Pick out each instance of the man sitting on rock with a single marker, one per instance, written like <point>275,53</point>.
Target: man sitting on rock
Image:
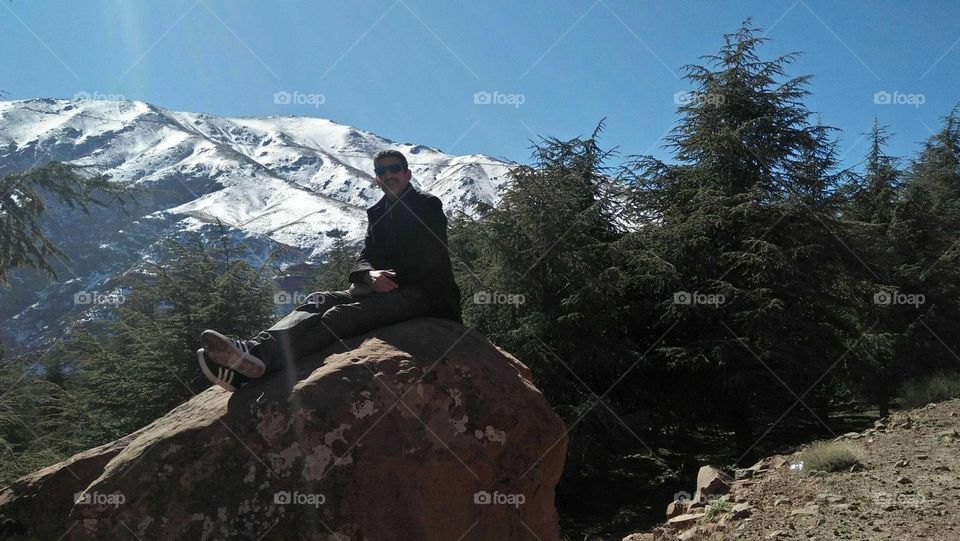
<point>403,272</point>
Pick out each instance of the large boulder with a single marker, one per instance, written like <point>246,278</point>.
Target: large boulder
<point>420,430</point>
<point>49,493</point>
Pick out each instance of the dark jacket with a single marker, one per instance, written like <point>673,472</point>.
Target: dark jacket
<point>409,236</point>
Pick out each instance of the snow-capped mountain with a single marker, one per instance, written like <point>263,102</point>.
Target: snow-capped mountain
<point>281,180</point>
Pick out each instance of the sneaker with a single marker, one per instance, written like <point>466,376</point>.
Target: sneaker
<point>233,354</point>
<point>229,379</point>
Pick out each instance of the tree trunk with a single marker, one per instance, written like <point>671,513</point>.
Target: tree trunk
<point>743,436</point>
<point>883,396</point>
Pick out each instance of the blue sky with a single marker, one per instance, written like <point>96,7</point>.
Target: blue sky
<point>410,70</point>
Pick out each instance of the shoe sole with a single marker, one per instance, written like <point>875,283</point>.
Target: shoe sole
<point>221,350</point>
<point>202,361</point>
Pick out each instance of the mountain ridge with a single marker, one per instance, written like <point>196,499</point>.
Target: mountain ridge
<point>282,181</point>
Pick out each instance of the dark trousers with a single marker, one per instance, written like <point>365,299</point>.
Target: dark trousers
<point>329,316</point>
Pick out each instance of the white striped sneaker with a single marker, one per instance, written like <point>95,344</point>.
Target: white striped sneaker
<point>233,354</point>
<point>231,380</point>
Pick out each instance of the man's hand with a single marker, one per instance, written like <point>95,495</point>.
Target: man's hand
<point>360,290</point>
<point>382,280</point>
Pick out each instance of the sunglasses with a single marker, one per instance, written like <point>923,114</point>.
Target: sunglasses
<point>393,168</point>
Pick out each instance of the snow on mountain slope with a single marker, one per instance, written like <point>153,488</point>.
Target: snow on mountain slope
<point>291,178</point>
<point>281,180</point>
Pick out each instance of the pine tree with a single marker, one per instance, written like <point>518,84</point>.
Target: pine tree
<point>737,245</point>
<point>545,245</point>
<point>32,434</point>
<point>137,360</point>
<point>23,199</point>
<point>925,231</point>
<point>875,365</point>
<point>334,272</point>
<point>539,279</point>
<point>876,195</point>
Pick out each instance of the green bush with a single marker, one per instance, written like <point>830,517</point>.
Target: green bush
<point>717,508</point>
<point>935,388</point>
<point>831,456</point>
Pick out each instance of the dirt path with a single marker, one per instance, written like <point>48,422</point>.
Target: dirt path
<point>909,488</point>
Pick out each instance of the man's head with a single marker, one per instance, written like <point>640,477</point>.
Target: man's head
<point>393,175</point>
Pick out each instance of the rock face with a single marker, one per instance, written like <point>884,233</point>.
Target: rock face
<point>27,506</point>
<point>711,482</point>
<point>420,430</point>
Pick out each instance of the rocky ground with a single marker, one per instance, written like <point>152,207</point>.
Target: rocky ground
<point>907,488</point>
